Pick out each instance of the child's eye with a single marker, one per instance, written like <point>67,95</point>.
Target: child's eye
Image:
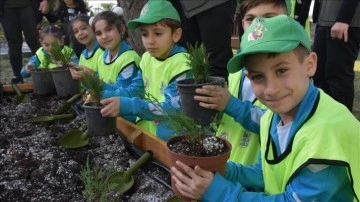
<point>256,78</point>
<point>249,19</point>
<point>143,34</point>
<point>281,71</point>
<point>158,34</point>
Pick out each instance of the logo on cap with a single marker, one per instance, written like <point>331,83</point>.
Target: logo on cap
<point>258,31</point>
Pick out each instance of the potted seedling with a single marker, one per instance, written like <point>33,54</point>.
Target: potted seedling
<point>64,84</point>
<point>198,61</point>
<point>96,124</point>
<point>43,81</point>
<point>192,143</point>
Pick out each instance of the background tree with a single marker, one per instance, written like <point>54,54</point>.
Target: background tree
<point>132,10</point>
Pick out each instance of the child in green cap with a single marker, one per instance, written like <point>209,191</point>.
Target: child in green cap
<point>240,122</point>
<point>309,142</point>
<point>161,65</point>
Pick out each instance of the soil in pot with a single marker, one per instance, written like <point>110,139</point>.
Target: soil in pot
<point>64,84</point>
<point>191,107</point>
<point>43,81</point>
<point>97,124</point>
<point>210,154</point>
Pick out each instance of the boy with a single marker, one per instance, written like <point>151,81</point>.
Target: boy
<point>309,142</point>
<point>244,136</point>
<point>162,65</point>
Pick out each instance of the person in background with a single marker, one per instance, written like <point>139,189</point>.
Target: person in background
<point>162,65</point>
<point>18,18</point>
<point>66,10</point>
<point>305,155</point>
<point>211,23</point>
<point>42,57</point>
<point>337,44</point>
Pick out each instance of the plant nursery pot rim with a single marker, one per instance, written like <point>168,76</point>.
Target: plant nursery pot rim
<point>190,82</point>
<point>224,153</point>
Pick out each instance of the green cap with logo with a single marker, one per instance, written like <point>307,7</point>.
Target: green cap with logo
<point>154,11</point>
<point>278,34</point>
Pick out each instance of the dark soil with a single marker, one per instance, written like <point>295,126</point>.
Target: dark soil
<point>34,168</point>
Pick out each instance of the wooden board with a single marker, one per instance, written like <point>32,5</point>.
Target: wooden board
<point>22,87</point>
<point>143,140</point>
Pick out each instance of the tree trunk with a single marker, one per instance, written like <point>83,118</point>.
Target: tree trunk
<point>132,10</point>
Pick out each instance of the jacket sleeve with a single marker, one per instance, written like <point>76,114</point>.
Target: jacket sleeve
<point>129,84</point>
<point>33,61</point>
<point>245,113</point>
<point>330,183</point>
<point>347,11</point>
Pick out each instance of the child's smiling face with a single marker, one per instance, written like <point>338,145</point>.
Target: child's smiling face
<point>158,39</point>
<point>281,81</point>
<point>108,35</point>
<point>83,32</point>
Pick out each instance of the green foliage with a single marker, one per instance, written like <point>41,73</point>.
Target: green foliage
<point>94,85</point>
<point>58,56</point>
<point>178,121</point>
<point>95,186</point>
<point>198,60</point>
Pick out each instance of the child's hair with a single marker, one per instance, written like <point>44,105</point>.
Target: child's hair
<point>173,24</point>
<point>246,5</point>
<point>52,30</point>
<point>61,7</point>
<point>82,18</point>
<point>112,19</point>
<point>301,52</point>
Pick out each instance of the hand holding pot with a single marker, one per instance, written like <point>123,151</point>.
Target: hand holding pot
<point>213,97</point>
<point>29,67</point>
<point>191,183</point>
<point>112,107</point>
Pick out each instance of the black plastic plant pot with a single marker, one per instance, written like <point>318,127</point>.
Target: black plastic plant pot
<point>96,124</point>
<point>43,82</point>
<point>191,107</point>
<point>64,84</point>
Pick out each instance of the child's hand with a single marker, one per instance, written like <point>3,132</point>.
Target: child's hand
<point>112,107</point>
<point>76,73</point>
<point>192,182</point>
<point>213,97</point>
<point>29,67</point>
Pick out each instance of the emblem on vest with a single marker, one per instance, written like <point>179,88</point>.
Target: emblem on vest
<point>244,142</point>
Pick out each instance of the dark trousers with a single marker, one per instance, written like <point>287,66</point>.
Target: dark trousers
<point>213,27</point>
<point>15,22</point>
<point>335,67</point>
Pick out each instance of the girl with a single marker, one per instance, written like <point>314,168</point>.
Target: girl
<point>65,12</point>
<point>119,66</point>
<point>92,53</point>
<point>42,57</point>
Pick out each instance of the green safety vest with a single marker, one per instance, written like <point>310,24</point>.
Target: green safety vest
<point>109,72</point>
<point>93,60</point>
<point>157,75</point>
<point>44,59</point>
<point>330,136</point>
<point>245,144</point>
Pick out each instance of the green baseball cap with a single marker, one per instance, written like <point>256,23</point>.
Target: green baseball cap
<point>278,34</point>
<point>154,11</point>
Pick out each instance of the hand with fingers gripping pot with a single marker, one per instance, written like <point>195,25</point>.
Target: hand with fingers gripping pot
<point>191,183</point>
<point>213,97</point>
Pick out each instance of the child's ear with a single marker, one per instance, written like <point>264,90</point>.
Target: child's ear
<point>177,35</point>
<point>311,63</point>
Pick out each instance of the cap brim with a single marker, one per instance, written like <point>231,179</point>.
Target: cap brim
<point>133,24</point>
<point>237,62</point>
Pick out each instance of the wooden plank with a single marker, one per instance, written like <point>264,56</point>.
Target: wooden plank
<point>22,87</point>
<point>235,42</point>
<point>143,140</point>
